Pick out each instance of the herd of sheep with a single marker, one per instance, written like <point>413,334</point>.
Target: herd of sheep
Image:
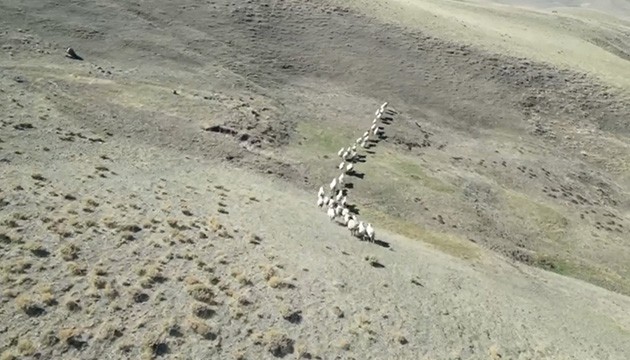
<point>336,200</point>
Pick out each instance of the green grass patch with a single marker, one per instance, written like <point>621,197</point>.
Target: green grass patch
<point>447,243</point>
<point>324,139</point>
<point>581,270</point>
<point>414,172</point>
<point>550,222</point>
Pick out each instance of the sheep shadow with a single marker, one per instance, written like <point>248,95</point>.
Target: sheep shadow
<point>371,152</point>
<point>383,137</point>
<point>353,209</point>
<point>348,185</point>
<point>362,160</point>
<point>382,243</point>
<point>357,174</point>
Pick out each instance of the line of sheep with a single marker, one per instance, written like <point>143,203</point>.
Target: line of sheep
<point>336,200</point>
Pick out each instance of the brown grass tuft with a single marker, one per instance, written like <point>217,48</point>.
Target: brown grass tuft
<point>8,355</point>
<point>29,305</point>
<point>201,328</point>
<point>77,269</point>
<point>203,293</point>
<point>69,252</point>
<point>26,347</point>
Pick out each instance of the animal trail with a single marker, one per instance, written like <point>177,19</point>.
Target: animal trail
<point>336,201</point>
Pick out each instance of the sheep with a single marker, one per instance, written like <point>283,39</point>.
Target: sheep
<point>374,121</point>
<point>326,200</point>
<point>377,131</point>
<point>354,147</point>
<point>352,225</point>
<point>364,144</point>
<point>361,230</point>
<point>340,152</point>
<point>345,212</point>
<point>369,230</point>
<point>373,127</point>
<point>331,213</point>
<point>341,165</point>
<point>338,210</point>
<point>367,133</point>
<point>320,193</point>
<point>358,140</point>
<point>320,201</point>
<point>378,111</point>
<point>349,168</point>
<point>333,184</point>
<point>383,106</point>
<point>339,196</point>
<point>345,155</point>
<point>346,217</point>
<point>340,179</point>
<point>344,200</point>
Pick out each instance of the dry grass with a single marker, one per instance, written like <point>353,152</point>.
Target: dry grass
<point>111,290</point>
<point>76,269</point>
<point>69,252</point>
<point>26,347</point>
<point>200,327</point>
<point>29,305</point>
<point>203,293</point>
<point>8,355</point>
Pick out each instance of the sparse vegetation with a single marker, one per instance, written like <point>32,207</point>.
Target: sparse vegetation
<point>29,305</point>
<point>69,252</point>
<point>26,347</point>
<point>202,328</point>
<point>201,292</point>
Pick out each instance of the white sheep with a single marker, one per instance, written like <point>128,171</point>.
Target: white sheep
<point>341,165</point>
<point>326,200</point>
<point>383,106</point>
<point>354,147</point>
<point>375,121</point>
<point>345,211</point>
<point>320,193</point>
<point>349,168</point>
<point>361,230</point>
<point>344,200</point>
<point>367,133</point>
<point>373,127</point>
<point>352,225</point>
<point>339,196</point>
<point>377,131</point>
<point>333,184</point>
<point>346,217</point>
<point>364,144</point>
<point>345,155</point>
<point>320,201</point>
<point>379,111</point>
<point>331,213</point>
<point>338,210</point>
<point>340,179</point>
<point>369,230</point>
<point>340,152</point>
<point>358,140</point>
